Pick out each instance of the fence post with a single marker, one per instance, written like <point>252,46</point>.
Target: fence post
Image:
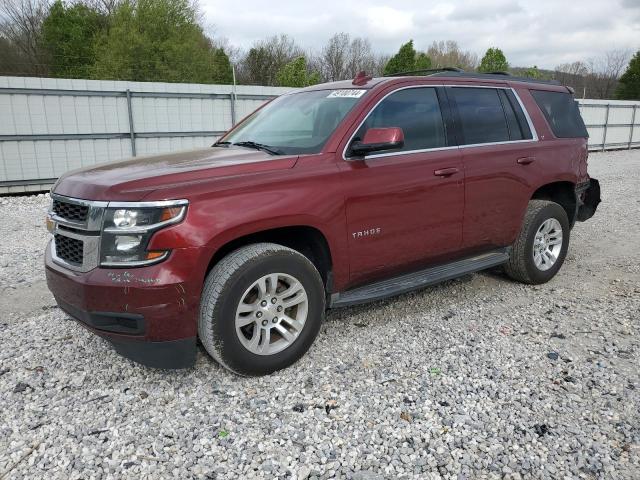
<point>132,133</point>
<point>232,97</point>
<point>606,124</point>
<point>633,123</point>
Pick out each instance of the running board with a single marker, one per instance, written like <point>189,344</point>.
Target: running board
<point>412,281</point>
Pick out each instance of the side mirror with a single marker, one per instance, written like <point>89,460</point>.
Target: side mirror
<point>377,140</point>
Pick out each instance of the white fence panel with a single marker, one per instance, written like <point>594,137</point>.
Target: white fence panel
<point>49,126</point>
<point>612,124</point>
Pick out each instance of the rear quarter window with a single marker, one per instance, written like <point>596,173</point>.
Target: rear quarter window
<point>562,113</point>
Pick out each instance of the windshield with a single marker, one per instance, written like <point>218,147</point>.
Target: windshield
<point>296,123</point>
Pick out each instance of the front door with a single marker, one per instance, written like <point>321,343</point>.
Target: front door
<point>404,207</point>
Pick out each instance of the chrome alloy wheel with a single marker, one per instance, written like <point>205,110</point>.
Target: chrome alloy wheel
<point>271,314</point>
<point>547,244</point>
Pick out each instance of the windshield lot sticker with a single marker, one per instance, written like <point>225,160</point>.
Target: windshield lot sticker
<point>350,93</point>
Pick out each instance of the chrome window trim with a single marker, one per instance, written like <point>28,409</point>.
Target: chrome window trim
<point>406,152</point>
<point>534,133</point>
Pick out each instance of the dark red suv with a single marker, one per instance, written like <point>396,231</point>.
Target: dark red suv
<point>332,195</point>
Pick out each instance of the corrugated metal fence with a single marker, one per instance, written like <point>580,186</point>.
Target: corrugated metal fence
<point>49,126</point>
<point>612,124</point>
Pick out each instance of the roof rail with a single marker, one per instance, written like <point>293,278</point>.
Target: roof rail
<point>495,76</point>
<point>428,71</point>
<point>458,72</point>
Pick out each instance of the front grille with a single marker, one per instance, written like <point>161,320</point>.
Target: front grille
<point>69,249</point>
<point>70,211</point>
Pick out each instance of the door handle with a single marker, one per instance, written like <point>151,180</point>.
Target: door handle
<point>445,172</point>
<point>525,160</point>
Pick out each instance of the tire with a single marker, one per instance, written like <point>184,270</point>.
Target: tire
<point>522,265</point>
<point>245,279</point>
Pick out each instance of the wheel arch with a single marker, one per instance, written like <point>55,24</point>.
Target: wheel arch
<point>308,240</point>
<point>562,193</point>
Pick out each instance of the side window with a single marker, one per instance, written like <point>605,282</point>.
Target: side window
<point>562,113</point>
<point>516,121</point>
<point>417,112</point>
<point>482,117</point>
<point>522,120</point>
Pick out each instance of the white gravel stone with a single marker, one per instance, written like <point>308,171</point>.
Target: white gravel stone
<point>452,382</point>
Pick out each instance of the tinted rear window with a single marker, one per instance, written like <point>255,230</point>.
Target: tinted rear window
<point>561,111</point>
<point>482,117</point>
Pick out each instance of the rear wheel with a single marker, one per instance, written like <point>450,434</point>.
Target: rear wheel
<point>541,246</point>
<point>261,309</point>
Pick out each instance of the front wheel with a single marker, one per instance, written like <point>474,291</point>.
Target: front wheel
<point>261,309</point>
<point>541,246</point>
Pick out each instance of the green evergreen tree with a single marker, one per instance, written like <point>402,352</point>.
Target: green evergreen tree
<point>533,72</point>
<point>68,34</point>
<point>158,40</point>
<point>629,83</point>
<point>295,74</point>
<point>223,72</point>
<point>423,62</point>
<point>403,61</point>
<point>493,61</point>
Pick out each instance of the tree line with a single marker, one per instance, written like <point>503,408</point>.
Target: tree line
<point>164,40</point>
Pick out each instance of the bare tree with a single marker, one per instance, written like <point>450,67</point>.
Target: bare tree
<point>360,58</point>
<point>603,73</point>
<point>379,62</point>
<point>448,54</point>
<point>11,58</point>
<point>106,7</point>
<point>573,75</point>
<point>333,58</point>
<point>343,57</point>
<point>263,61</point>
<point>21,26</point>
<point>234,53</point>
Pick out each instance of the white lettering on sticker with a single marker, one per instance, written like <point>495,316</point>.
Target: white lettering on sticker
<point>350,93</point>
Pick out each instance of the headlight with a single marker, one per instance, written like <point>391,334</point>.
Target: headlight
<point>125,218</point>
<point>128,228</point>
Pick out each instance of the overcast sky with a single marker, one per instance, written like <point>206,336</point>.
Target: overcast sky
<point>541,32</point>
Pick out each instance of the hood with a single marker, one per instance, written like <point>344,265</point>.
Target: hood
<point>136,178</point>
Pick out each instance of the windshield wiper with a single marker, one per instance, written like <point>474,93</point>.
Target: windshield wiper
<point>221,144</point>
<point>259,146</point>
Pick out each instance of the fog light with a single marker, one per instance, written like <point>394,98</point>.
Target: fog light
<point>125,243</point>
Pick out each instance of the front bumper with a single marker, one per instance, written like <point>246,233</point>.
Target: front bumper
<point>149,314</point>
<point>587,198</point>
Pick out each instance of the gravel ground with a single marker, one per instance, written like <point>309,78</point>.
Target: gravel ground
<point>476,378</point>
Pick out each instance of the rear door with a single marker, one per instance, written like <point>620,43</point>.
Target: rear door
<point>496,141</point>
<point>404,207</point>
